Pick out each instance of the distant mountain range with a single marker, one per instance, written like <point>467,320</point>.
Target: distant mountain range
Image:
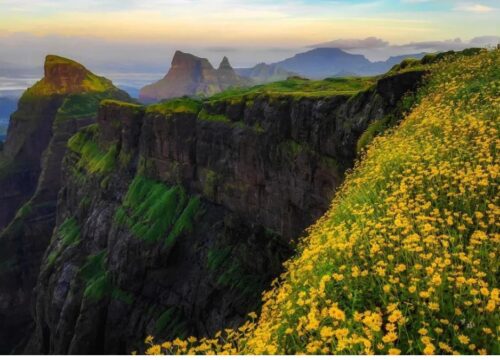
<point>192,75</point>
<point>263,73</point>
<point>330,62</point>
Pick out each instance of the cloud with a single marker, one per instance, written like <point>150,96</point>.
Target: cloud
<point>453,44</point>
<point>379,49</point>
<point>351,44</point>
<point>475,8</point>
<point>485,41</point>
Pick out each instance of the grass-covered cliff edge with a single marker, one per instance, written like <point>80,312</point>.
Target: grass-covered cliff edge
<point>405,260</point>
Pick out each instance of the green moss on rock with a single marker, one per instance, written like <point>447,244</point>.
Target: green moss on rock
<point>171,322</point>
<point>69,232</point>
<point>206,116</point>
<point>95,276</point>
<point>93,158</point>
<point>153,210</point>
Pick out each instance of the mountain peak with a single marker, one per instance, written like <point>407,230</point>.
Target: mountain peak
<point>191,75</point>
<point>63,73</point>
<point>224,64</point>
<point>186,60</point>
<point>66,76</point>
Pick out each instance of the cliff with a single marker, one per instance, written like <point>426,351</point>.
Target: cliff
<point>405,261</point>
<point>48,114</point>
<point>184,211</point>
<point>191,75</point>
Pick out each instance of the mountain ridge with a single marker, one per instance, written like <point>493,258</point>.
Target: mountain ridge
<point>328,62</point>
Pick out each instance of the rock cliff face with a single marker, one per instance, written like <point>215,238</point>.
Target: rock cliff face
<point>48,114</point>
<point>191,75</point>
<point>183,212</point>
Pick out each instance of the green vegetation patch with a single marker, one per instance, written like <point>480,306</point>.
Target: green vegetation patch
<point>171,322</point>
<point>411,64</point>
<point>231,273</point>
<point>180,105</point>
<point>98,283</point>
<point>69,232</point>
<point>107,102</point>
<point>150,209</point>
<point>205,116</point>
<point>93,158</point>
<point>79,106</point>
<point>184,222</point>
<point>379,126</point>
<point>96,277</point>
<point>300,87</point>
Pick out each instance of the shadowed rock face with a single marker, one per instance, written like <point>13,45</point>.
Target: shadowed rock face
<point>191,75</point>
<point>259,175</point>
<point>30,179</point>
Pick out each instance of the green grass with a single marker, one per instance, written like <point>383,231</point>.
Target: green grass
<point>93,158</point>
<point>185,221</point>
<point>69,232</point>
<point>150,209</point>
<point>79,106</point>
<point>171,322</point>
<point>98,288</point>
<point>52,257</point>
<point>97,281</point>
<point>430,59</point>
<point>300,87</point>
<point>205,116</point>
<point>229,272</point>
<point>388,122</point>
<point>216,257</point>
<point>107,102</point>
<point>180,105</point>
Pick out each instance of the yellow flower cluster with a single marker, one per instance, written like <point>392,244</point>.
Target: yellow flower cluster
<point>406,259</point>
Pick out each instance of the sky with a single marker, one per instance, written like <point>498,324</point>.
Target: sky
<point>142,35</point>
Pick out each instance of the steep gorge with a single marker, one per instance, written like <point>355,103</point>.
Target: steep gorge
<point>184,211</point>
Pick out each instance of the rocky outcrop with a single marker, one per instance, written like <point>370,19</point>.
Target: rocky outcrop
<point>31,177</point>
<point>191,75</point>
<point>186,209</point>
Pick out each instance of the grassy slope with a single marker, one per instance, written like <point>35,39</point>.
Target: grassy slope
<point>406,259</point>
<point>296,86</point>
